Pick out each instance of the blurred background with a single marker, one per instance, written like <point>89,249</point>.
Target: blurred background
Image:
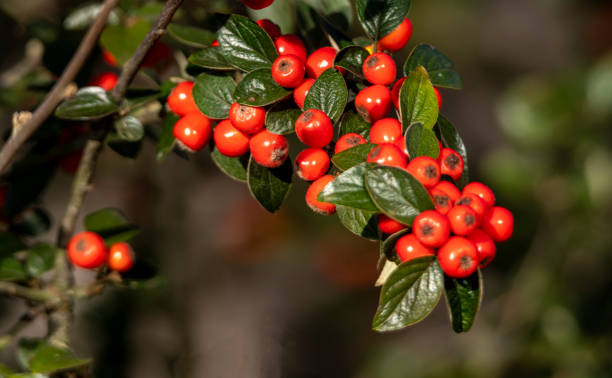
<point>253,295</point>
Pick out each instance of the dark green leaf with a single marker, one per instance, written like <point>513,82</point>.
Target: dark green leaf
<point>33,223</point>
<point>88,104</point>
<point>10,243</point>
<point>210,57</point>
<point>212,94</point>
<point>258,88</point>
<point>418,101</point>
<point>111,225</point>
<point>190,35</point>
<point>410,293</point>
<point>166,139</point>
<point>438,66</point>
<point>463,297</point>
<point>129,129</point>
<point>11,269</point>
<point>26,350</point>
<point>85,15</point>
<point>381,17</point>
<point>123,147</point>
<point>123,40</point>
<point>328,93</point>
<point>280,118</point>
<point>335,34</point>
<point>269,186</point>
<point>351,58</point>
<point>352,122</point>
<point>360,222</point>
<point>50,359</point>
<point>387,247</point>
<point>41,258</point>
<point>143,275</point>
<point>397,193</point>
<point>26,185</point>
<point>348,189</point>
<point>234,167</point>
<point>421,141</point>
<point>245,45</point>
<point>353,156</point>
<point>451,139</point>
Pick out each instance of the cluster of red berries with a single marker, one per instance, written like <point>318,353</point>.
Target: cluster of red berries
<point>87,250</point>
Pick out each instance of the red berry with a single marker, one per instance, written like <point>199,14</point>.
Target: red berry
<point>180,99</point>
<point>395,92</point>
<point>499,223</point>
<point>320,60</point>
<point>438,97</point>
<point>386,130</point>
<point>388,225</point>
<point>87,250</point>
<point>289,44</point>
<point>120,257</point>
<point>104,80</point>
<point>313,191</point>
<point>301,91</point>
<point>214,43</point>
<point>450,189</point>
<point>160,52</point>
<point>463,220</point>
<point>229,140</point>
<point>398,38</point>
<point>109,58</point>
<point>373,103</point>
<point>408,247</point>
<point>482,191</point>
<point>431,228</point>
<point>347,141</point>
<point>270,27</point>
<point>451,163</point>
<point>379,68</point>
<point>268,149</point>
<point>193,131</point>
<point>441,200</point>
<point>314,128</point>
<point>387,154</point>
<point>257,4</point>
<point>247,119</point>
<point>401,144</point>
<point>288,71</point>
<point>458,257</point>
<point>312,163</point>
<point>426,170</point>
<point>476,203</point>
<point>485,247</point>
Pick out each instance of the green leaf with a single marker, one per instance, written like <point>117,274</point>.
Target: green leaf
<point>245,45</point>
<point>410,293</point>
<point>190,35</point>
<point>27,182</point>
<point>334,34</point>
<point>51,359</point>
<point>143,275</point>
<point>33,222</point>
<point>11,269</point>
<point>387,247</point>
<point>348,189</point>
<point>166,141</point>
<point>381,17</point>
<point>258,88</point>
<point>359,222</point>
<point>355,155</point>
<point>451,139</point>
<point>421,141</point>
<point>123,147</point>
<point>234,167</point>
<point>10,243</point>
<point>212,94</point>
<point>85,15</point>
<point>418,101</point>
<point>328,94</point>
<point>463,298</point>
<point>270,186</point>
<point>129,129</point>
<point>397,193</point>
<point>438,66</point>
<point>41,259</point>
<point>26,349</point>
<point>210,57</point>
<point>351,58</point>
<point>122,40</point>
<point>5,370</point>
<point>88,104</point>
<point>280,118</point>
<point>352,122</point>
<point>111,225</point>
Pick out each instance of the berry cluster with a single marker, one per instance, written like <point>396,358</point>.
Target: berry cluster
<point>87,250</point>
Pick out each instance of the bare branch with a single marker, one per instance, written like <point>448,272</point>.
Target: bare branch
<point>15,290</point>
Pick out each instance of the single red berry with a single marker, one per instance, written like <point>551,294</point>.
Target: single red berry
<point>120,257</point>
<point>347,141</point>
<point>247,119</point>
<point>387,154</point>
<point>426,170</point>
<point>379,68</point>
<point>87,250</point>
<point>398,38</point>
<point>312,163</point>
<point>485,247</point>
<point>314,128</point>
<point>401,144</point>
<point>458,257</point>
<point>109,58</point>
<point>268,149</point>
<point>477,204</point>
<point>160,52</point>
<point>438,97</point>
<point>388,225</point>
<point>408,247</point>
<point>301,91</point>
<point>181,100</point>
<point>312,193</point>
<point>386,130</point>
<point>104,80</point>
<point>441,200</point>
<point>431,228</point>
<point>270,27</point>
<point>373,103</point>
<point>463,220</point>
<point>288,71</point>
<point>396,91</point>
<point>451,163</point>
<point>289,44</point>
<point>320,60</point>
<point>482,191</point>
<point>257,4</point>
<point>193,131</point>
<point>229,140</point>
<point>450,189</point>
<point>214,43</point>
<point>499,223</point>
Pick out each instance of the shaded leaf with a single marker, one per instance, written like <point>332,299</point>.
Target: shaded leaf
<point>123,147</point>
<point>336,35</point>
<point>41,259</point>
<point>88,104</point>
<point>190,35</point>
<point>348,189</point>
<point>352,122</point>
<point>33,223</point>
<point>381,17</point>
<point>166,141</point>
<point>421,141</point>
<point>451,139</point>
<point>122,40</point>
<point>258,88</point>
<point>234,167</point>
<point>418,101</point>
<point>387,247</point>
<point>351,58</point>
<point>129,128</point>
<point>212,94</point>
<point>355,155</point>
<point>438,66</point>
<point>463,296</point>
<point>328,94</point>
<point>270,186</point>
<point>359,222</point>
<point>210,57</point>
<point>280,118</point>
<point>10,243</point>
<point>11,269</point>
<point>111,225</point>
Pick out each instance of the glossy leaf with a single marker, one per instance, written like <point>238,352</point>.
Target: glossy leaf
<point>111,225</point>
<point>269,186</point>
<point>280,118</point>
<point>381,17</point>
<point>359,222</point>
<point>210,57</point>
<point>410,293</point>
<point>355,155</point>
<point>88,104</point>
<point>166,141</point>
<point>129,128</point>
<point>348,189</point>
<point>352,122</point>
<point>51,359</point>
<point>234,167</point>
<point>258,88</point>
<point>438,66</point>
<point>122,40</point>
<point>451,139</point>
<point>123,147</point>
<point>329,94</point>
<point>41,259</point>
<point>351,58</point>
<point>387,247</point>
<point>463,297</point>
<point>418,101</point>
<point>421,141</point>
<point>190,35</point>
<point>397,193</point>
<point>212,94</point>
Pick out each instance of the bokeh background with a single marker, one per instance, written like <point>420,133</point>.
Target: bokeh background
<point>253,295</point>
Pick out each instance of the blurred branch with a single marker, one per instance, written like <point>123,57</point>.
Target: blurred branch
<point>22,323</point>
<point>15,290</point>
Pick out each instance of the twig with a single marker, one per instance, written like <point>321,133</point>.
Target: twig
<point>22,323</point>
<point>35,295</point>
